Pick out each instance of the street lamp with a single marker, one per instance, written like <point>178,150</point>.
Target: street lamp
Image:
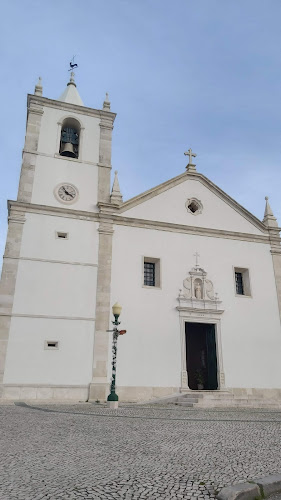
<point>112,399</point>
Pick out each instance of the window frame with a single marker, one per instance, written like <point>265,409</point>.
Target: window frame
<point>157,271</point>
<point>246,282</point>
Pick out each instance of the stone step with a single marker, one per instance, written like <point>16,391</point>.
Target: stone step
<point>218,399</point>
<point>238,402</point>
<point>190,395</point>
<point>222,399</point>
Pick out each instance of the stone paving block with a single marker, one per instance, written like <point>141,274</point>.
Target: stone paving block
<point>80,451</point>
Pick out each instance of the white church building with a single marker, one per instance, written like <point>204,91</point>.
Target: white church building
<point>197,275</point>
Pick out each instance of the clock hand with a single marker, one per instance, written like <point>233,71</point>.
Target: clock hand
<point>69,194</point>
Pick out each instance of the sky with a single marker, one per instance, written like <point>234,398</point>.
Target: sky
<point>204,74</point>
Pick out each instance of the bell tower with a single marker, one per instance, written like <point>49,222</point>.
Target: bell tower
<point>66,141</point>
<point>48,294</point>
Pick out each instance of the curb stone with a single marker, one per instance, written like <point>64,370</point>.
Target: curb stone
<point>269,484</point>
<point>241,491</point>
<point>258,488</point>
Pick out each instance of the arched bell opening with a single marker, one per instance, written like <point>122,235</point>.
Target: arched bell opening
<point>69,140</point>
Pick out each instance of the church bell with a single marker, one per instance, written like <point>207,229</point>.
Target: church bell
<point>68,150</point>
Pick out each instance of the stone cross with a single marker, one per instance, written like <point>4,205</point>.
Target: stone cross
<point>196,255</point>
<point>190,154</point>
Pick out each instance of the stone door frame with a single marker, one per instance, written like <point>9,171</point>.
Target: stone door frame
<point>188,317</point>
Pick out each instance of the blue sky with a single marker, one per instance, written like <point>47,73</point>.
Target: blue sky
<point>204,74</point>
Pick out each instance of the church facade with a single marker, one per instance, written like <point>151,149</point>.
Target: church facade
<point>197,275</point>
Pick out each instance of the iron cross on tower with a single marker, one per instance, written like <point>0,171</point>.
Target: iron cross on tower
<point>190,154</point>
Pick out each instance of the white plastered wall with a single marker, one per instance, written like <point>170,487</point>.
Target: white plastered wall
<point>39,239</point>
<point>150,353</point>
<point>52,169</point>
<point>169,206</point>
<point>54,300</point>
<point>28,362</point>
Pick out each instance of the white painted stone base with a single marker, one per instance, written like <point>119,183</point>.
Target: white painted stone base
<point>112,405</point>
<point>137,394</point>
<point>257,392</point>
<point>235,397</point>
<point>41,392</point>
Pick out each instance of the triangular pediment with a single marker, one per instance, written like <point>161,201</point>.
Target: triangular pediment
<point>169,202</point>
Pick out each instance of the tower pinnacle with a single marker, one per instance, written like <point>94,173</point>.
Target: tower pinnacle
<point>38,87</point>
<point>71,93</point>
<point>116,196</point>
<point>269,219</point>
<point>106,103</point>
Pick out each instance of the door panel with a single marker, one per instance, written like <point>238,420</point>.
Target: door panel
<point>211,358</point>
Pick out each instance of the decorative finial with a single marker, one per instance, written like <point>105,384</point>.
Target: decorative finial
<point>38,87</point>
<point>71,80</point>
<point>106,103</point>
<point>190,166</point>
<point>116,196</point>
<point>269,220</point>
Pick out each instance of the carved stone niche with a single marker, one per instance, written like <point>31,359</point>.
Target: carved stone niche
<point>198,291</point>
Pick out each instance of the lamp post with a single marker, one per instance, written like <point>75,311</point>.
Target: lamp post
<point>112,399</point>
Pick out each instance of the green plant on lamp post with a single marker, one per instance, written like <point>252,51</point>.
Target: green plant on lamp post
<point>113,397</point>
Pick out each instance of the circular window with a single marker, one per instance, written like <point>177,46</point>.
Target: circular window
<point>194,206</point>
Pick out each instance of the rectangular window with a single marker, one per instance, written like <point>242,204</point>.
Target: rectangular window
<point>239,283</point>
<point>151,272</point>
<point>242,281</point>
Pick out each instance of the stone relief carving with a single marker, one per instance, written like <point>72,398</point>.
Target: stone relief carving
<point>198,291</point>
<point>209,287</point>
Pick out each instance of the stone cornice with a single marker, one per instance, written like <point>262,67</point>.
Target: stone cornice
<point>147,195</point>
<point>46,316</point>
<point>181,228</point>
<point>51,261</point>
<point>107,208</point>
<point>74,108</point>
<point>108,214</point>
<point>63,158</point>
<point>55,211</point>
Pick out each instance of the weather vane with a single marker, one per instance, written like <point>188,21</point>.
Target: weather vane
<point>72,64</point>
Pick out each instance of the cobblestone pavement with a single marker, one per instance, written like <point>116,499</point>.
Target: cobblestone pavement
<point>86,451</point>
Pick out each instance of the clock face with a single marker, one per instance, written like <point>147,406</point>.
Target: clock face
<point>67,193</point>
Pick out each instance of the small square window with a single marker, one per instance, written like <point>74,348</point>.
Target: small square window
<point>151,272</point>
<point>242,281</point>
<point>61,236</point>
<point>51,344</point>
